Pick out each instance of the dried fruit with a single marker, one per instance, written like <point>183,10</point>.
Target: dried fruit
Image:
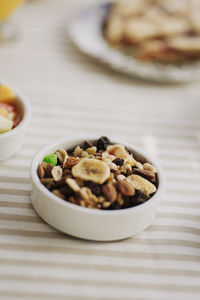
<point>4,112</point>
<point>65,190</point>
<point>5,124</point>
<point>122,153</point>
<point>67,172</point>
<point>9,108</point>
<point>87,144</point>
<point>51,159</point>
<point>102,143</point>
<point>91,169</point>
<point>95,188</point>
<point>138,165</point>
<point>115,205</point>
<point>112,148</point>
<point>47,169</point>
<point>118,161</point>
<point>142,184</point>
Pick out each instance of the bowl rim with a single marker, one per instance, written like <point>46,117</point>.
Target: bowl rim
<point>26,118</point>
<point>74,140</point>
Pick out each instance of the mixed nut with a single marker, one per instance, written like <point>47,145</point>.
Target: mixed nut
<point>9,116</point>
<point>99,174</point>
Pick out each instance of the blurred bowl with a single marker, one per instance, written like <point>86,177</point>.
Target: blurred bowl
<point>11,141</point>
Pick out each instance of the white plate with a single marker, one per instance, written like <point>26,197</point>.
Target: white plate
<point>85,30</point>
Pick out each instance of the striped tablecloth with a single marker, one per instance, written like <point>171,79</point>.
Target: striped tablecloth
<point>70,95</point>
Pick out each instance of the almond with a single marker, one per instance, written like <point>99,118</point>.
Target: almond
<point>40,172</point>
<point>109,192</point>
<point>125,188</point>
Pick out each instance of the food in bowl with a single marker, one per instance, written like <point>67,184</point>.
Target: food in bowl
<point>99,174</point>
<point>14,120</point>
<point>10,114</point>
<point>84,222</point>
<point>159,31</point>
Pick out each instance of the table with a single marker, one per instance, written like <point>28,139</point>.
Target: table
<point>69,95</point>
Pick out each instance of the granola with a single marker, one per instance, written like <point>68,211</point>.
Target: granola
<point>109,177</point>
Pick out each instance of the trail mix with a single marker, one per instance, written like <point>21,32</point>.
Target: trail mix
<point>9,117</point>
<point>99,175</point>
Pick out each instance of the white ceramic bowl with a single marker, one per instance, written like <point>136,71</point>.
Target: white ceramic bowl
<point>10,142</point>
<point>91,224</point>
